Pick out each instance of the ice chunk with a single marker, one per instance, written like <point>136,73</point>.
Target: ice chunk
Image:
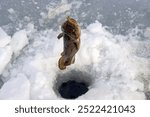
<point>11,11</point>
<point>19,41</point>
<point>147,32</point>
<point>4,38</point>
<point>5,57</point>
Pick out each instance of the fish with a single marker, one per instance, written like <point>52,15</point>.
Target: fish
<point>71,33</point>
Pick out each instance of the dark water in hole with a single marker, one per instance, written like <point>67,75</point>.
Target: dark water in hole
<point>72,89</point>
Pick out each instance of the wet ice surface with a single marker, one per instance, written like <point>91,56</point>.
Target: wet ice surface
<point>115,48</point>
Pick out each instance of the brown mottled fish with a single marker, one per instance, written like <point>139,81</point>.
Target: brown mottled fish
<point>71,37</point>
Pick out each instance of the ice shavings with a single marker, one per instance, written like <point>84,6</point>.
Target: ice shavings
<point>61,8</point>
<point>113,64</point>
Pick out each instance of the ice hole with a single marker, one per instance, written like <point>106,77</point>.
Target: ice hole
<point>72,84</point>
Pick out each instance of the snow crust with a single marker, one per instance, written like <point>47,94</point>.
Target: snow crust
<point>111,59</point>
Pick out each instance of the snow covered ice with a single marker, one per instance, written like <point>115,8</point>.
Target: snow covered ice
<point>118,64</point>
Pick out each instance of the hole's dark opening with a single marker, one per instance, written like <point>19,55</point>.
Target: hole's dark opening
<point>72,89</point>
<point>72,84</point>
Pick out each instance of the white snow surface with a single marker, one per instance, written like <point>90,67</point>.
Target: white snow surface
<point>111,59</point>
<point>21,90</point>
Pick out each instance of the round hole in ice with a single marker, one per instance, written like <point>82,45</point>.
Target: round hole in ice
<point>72,84</point>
